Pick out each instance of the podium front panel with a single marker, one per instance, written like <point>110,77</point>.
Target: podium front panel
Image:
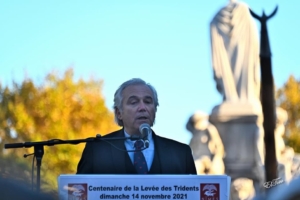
<point>135,187</point>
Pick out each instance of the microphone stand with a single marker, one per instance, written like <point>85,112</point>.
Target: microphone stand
<point>39,148</point>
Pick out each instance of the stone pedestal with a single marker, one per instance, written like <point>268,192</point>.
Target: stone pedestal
<point>241,131</point>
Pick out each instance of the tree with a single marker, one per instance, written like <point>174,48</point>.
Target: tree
<point>288,98</point>
<point>59,108</point>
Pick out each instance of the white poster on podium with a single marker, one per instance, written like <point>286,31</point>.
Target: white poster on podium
<point>135,187</point>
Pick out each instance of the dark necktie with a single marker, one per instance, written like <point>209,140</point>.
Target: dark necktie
<point>139,160</point>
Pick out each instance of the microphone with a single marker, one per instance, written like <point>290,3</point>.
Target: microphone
<point>145,130</point>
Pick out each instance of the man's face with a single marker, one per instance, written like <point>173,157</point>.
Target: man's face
<point>137,108</point>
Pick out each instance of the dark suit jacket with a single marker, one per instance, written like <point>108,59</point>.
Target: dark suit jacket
<point>170,157</point>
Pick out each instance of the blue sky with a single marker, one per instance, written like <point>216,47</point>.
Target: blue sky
<point>165,42</point>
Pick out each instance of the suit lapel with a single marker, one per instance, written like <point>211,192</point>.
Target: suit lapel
<point>118,155</point>
<point>163,154</point>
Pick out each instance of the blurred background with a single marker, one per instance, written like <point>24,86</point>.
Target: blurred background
<point>61,62</point>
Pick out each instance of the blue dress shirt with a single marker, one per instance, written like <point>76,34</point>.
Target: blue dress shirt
<point>148,153</point>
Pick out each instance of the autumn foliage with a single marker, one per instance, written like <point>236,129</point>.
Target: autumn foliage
<point>59,108</point>
<point>288,98</point>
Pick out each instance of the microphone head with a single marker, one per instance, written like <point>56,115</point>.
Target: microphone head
<point>145,130</point>
<point>144,126</point>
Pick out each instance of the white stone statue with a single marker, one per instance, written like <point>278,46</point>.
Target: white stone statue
<point>235,53</point>
<point>206,144</point>
<point>238,119</point>
<point>284,154</point>
<point>281,119</point>
<point>242,189</point>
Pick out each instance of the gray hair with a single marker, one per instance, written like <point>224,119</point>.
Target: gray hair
<point>118,97</point>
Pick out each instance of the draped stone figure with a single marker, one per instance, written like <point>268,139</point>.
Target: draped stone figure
<point>236,67</point>
<point>235,53</point>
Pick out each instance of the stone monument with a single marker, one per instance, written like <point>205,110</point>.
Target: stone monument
<point>238,119</point>
<point>285,155</point>
<point>206,144</point>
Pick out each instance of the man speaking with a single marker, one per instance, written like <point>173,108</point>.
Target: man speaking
<point>144,152</point>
